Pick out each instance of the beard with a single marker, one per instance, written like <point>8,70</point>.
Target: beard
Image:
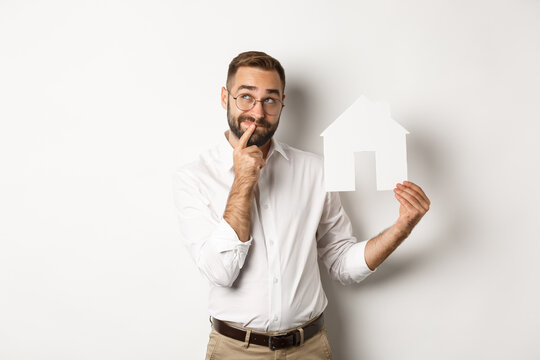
<point>262,133</point>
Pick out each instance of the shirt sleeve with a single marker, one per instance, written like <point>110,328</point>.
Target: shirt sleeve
<point>212,243</point>
<point>339,250</point>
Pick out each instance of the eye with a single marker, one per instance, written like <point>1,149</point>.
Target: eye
<point>270,100</point>
<point>246,97</point>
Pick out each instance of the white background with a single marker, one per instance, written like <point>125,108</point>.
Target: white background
<point>101,100</point>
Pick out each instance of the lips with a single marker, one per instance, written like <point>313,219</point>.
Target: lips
<point>248,123</point>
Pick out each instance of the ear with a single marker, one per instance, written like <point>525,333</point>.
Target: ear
<point>224,97</point>
<point>283,99</point>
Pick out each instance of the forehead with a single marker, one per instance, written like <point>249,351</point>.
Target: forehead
<point>260,78</point>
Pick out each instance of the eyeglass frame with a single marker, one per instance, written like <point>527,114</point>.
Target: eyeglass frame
<point>255,103</point>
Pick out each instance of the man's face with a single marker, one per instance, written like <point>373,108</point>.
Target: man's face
<point>260,84</point>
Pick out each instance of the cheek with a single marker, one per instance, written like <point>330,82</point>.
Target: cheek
<point>273,123</point>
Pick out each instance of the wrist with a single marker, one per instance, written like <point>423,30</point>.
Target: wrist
<point>244,183</point>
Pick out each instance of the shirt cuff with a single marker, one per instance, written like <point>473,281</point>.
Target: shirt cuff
<point>226,239</point>
<point>355,262</point>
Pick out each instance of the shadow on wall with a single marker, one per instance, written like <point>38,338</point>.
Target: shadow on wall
<point>430,161</point>
<point>294,125</point>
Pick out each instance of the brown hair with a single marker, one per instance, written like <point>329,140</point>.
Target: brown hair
<point>256,59</point>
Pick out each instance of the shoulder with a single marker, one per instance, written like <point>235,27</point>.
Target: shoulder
<point>204,165</point>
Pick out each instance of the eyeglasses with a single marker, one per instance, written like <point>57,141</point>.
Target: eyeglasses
<point>246,102</point>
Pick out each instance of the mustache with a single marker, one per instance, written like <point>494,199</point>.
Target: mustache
<point>261,122</point>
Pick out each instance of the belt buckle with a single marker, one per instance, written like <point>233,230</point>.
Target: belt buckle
<point>296,340</point>
<point>271,338</point>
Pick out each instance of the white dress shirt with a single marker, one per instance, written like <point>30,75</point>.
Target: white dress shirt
<point>272,281</point>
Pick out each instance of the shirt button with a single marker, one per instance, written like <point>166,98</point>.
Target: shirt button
<point>271,242</point>
<point>275,280</point>
<point>266,206</point>
<point>275,318</point>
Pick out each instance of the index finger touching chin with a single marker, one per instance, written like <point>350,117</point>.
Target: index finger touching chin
<point>242,142</point>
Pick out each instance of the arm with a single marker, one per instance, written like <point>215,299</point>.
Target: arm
<point>348,260</point>
<point>413,205</point>
<point>340,252</point>
<point>210,240</point>
<point>248,162</point>
<point>218,245</point>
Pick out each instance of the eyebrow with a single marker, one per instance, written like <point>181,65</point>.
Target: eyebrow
<point>249,87</point>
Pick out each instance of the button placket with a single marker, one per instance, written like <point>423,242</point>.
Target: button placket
<point>274,263</point>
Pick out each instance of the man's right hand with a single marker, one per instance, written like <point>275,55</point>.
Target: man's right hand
<point>248,161</point>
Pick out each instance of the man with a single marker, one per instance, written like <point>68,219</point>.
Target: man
<point>255,216</point>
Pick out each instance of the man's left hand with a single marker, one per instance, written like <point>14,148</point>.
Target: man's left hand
<point>414,205</point>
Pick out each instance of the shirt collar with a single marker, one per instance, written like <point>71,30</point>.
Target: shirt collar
<point>226,151</point>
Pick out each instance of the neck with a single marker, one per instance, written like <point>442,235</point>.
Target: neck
<point>233,140</point>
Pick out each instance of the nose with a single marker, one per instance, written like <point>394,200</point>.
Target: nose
<point>258,109</point>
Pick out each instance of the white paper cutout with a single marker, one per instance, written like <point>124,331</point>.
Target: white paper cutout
<point>364,126</point>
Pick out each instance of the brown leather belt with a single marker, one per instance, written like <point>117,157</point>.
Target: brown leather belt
<point>274,342</point>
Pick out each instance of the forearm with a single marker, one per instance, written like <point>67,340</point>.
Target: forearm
<point>238,209</point>
<point>381,246</point>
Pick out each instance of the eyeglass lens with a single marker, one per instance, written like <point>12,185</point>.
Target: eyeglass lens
<point>246,102</point>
